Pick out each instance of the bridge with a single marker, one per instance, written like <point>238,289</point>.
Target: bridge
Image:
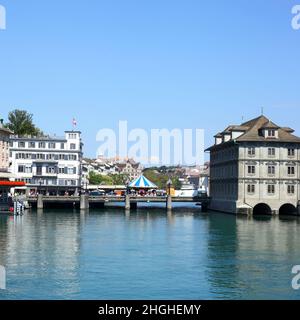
<point>84,202</point>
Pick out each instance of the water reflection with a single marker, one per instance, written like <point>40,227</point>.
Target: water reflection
<point>222,257</point>
<point>147,254</point>
<point>40,249</point>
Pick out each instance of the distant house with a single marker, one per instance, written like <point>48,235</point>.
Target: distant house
<point>111,166</point>
<point>130,168</point>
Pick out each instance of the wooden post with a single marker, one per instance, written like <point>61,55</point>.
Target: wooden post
<point>127,202</point>
<point>40,202</point>
<point>169,202</point>
<point>84,202</point>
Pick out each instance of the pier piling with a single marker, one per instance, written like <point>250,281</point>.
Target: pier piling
<point>84,202</point>
<point>40,202</point>
<point>127,202</point>
<point>169,202</point>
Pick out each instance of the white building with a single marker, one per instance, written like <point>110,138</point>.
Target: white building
<point>49,165</point>
<point>255,168</point>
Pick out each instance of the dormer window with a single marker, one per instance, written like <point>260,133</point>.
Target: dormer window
<point>271,133</point>
<point>270,130</point>
<point>226,137</point>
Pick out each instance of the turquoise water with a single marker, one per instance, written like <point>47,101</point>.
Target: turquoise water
<point>148,254</point>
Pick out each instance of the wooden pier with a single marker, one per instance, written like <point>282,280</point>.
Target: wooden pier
<point>84,202</point>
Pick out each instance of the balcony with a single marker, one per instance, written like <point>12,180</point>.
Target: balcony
<point>44,174</point>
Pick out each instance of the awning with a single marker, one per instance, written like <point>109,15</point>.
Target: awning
<point>142,183</point>
<point>12,184</point>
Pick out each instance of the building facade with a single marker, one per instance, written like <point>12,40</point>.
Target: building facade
<point>4,149</point>
<point>255,169</point>
<point>48,165</point>
<point>130,168</point>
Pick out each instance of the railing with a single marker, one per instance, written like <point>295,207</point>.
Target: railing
<point>120,198</point>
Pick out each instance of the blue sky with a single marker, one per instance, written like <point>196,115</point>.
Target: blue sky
<point>157,64</point>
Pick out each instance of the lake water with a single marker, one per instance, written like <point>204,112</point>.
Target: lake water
<point>149,254</point>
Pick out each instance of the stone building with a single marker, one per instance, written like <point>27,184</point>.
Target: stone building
<point>255,169</point>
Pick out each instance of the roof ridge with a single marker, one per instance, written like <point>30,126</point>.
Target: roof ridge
<point>254,120</point>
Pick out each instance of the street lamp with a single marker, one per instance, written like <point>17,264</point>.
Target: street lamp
<point>169,184</point>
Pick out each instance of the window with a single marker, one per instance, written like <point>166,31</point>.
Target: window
<point>51,170</point>
<point>72,146</point>
<point>72,170</point>
<point>39,170</point>
<point>271,188</point>
<point>251,152</point>
<point>24,169</point>
<point>32,145</point>
<point>52,145</point>
<point>271,170</point>
<point>271,152</point>
<point>28,169</point>
<point>291,189</point>
<point>21,169</point>
<point>21,144</point>
<point>62,146</point>
<point>291,171</point>
<point>251,188</point>
<point>42,145</point>
<point>72,157</point>
<point>251,169</point>
<point>271,133</point>
<point>291,152</point>
<point>61,170</point>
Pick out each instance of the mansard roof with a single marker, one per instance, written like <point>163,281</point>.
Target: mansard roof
<point>252,131</point>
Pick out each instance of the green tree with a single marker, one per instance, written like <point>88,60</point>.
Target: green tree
<point>160,178</point>
<point>98,179</point>
<point>119,179</point>
<point>20,122</point>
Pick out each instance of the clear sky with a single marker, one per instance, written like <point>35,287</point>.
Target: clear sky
<point>156,63</point>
